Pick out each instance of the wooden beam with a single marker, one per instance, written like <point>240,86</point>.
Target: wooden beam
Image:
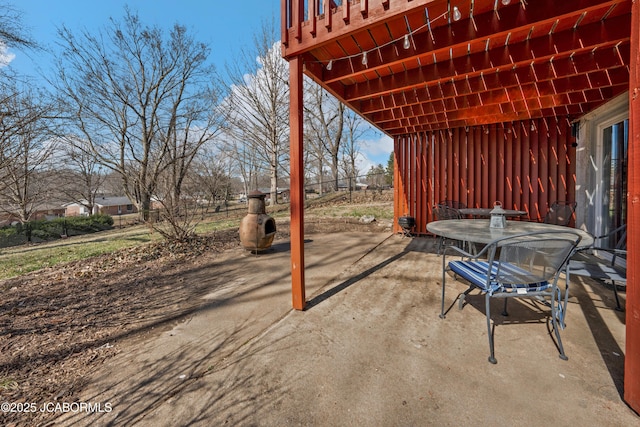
<point>571,89</point>
<point>473,65</point>
<point>296,183</point>
<point>571,39</point>
<point>369,17</point>
<point>530,92</point>
<point>510,110</point>
<point>487,85</point>
<point>632,350</point>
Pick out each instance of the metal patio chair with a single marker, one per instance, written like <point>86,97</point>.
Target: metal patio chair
<point>603,261</point>
<point>444,212</point>
<point>521,266</point>
<point>560,213</point>
<point>455,204</point>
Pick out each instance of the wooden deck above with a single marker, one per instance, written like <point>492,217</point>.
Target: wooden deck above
<point>437,64</point>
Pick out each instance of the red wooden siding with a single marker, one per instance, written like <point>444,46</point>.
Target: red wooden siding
<point>526,165</point>
<point>632,350</point>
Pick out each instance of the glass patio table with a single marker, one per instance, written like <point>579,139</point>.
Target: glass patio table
<point>478,230</point>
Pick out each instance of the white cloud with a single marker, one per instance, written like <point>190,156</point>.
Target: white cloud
<point>374,152</point>
<point>5,56</point>
<point>382,146</point>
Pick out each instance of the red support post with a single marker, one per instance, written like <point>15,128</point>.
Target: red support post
<point>397,194</point>
<point>296,183</point>
<point>632,351</point>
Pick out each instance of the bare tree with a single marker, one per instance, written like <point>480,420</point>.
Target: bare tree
<point>315,152</point>
<point>376,176</point>
<point>12,35</point>
<point>25,157</point>
<point>259,103</point>
<point>211,177</point>
<point>326,121</point>
<point>23,121</point>
<point>143,100</point>
<point>246,159</point>
<point>82,177</point>
<point>194,128</point>
<point>12,31</point>
<point>11,122</point>
<point>350,150</point>
<point>315,155</point>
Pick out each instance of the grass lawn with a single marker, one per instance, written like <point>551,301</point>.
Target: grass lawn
<point>18,260</point>
<point>27,258</point>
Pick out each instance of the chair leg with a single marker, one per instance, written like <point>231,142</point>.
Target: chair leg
<point>556,327</point>
<point>443,280</point>
<point>504,310</point>
<point>560,347</point>
<point>565,300</point>
<point>615,293</point>
<point>462,297</point>
<point>492,359</point>
<point>560,308</point>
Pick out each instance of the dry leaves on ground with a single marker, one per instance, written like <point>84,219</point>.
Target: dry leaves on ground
<point>59,324</point>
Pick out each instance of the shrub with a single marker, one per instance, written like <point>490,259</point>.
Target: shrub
<point>86,224</point>
<point>43,230</point>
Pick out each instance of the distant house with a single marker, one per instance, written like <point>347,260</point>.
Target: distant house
<point>49,211</point>
<point>119,205</point>
<point>281,192</point>
<point>46,211</point>
<point>357,186</point>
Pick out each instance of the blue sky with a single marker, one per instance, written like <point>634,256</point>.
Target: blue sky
<point>227,26</point>
<point>222,24</point>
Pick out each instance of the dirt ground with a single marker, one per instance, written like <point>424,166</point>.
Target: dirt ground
<point>58,324</point>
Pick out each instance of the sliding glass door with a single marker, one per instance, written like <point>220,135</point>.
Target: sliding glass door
<point>613,177</point>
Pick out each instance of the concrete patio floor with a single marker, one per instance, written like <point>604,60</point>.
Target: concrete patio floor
<point>369,349</point>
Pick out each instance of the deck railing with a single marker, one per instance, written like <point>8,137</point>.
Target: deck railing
<point>311,22</point>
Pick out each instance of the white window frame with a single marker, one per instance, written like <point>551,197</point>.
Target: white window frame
<point>600,126</point>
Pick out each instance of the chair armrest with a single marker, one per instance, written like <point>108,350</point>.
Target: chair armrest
<point>623,239</point>
<point>464,254</point>
<point>615,253</point>
<point>610,250</point>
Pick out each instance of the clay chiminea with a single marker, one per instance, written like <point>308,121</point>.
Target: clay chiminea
<point>257,229</point>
